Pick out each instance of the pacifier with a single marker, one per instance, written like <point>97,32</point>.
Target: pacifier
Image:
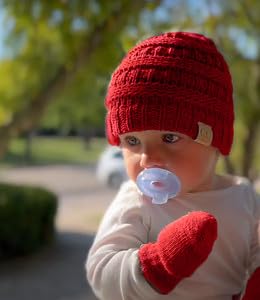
<point>158,184</point>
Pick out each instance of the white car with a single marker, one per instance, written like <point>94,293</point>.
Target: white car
<point>110,169</point>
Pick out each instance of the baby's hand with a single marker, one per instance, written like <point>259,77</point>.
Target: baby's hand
<point>181,247</point>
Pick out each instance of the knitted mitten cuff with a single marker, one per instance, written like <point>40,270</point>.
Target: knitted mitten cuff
<point>154,271</point>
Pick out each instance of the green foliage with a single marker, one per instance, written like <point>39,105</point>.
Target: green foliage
<point>45,36</point>
<point>47,39</point>
<point>27,219</point>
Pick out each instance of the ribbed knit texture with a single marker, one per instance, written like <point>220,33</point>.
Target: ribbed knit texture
<point>171,82</point>
<point>181,247</point>
<point>253,287</point>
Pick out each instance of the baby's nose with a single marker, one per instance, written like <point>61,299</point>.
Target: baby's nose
<point>152,159</point>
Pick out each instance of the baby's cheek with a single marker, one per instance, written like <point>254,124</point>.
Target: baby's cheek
<point>132,164</point>
<point>190,175</point>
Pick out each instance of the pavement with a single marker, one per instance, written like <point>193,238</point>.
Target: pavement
<point>57,271</point>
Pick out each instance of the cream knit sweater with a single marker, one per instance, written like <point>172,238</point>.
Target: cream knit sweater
<point>131,220</point>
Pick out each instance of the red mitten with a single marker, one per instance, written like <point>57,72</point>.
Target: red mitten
<point>253,286</point>
<point>181,247</point>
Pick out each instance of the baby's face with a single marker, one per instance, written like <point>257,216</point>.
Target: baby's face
<point>193,163</point>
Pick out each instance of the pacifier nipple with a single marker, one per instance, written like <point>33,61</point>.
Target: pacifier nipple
<point>158,184</point>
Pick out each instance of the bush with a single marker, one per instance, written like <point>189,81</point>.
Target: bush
<point>27,216</point>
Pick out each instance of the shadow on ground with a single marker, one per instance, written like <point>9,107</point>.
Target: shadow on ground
<point>55,273</point>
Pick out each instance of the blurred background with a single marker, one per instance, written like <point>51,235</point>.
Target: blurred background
<point>56,58</point>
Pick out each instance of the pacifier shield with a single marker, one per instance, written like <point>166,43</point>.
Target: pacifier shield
<point>158,184</point>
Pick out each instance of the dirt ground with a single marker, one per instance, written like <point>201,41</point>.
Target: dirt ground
<point>57,271</point>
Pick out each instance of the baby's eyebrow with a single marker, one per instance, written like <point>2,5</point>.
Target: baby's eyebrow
<point>171,132</point>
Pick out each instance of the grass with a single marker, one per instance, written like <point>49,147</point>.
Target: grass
<point>53,150</point>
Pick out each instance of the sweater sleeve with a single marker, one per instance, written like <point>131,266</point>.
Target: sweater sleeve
<point>255,245</point>
<point>112,265</point>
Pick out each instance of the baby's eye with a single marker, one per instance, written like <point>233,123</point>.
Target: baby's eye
<point>170,138</point>
<point>132,140</point>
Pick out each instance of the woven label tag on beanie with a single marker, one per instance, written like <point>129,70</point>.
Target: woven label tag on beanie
<point>205,134</point>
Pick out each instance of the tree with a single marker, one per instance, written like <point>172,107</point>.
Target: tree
<point>84,41</point>
<point>53,42</point>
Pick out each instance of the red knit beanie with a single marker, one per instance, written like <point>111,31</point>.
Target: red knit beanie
<point>177,81</point>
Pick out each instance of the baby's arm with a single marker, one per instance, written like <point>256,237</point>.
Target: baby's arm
<point>113,268</point>
<point>252,291</point>
<point>121,261</point>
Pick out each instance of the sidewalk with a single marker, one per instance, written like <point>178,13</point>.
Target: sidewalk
<point>57,272</point>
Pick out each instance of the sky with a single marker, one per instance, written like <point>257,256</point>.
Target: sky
<point>2,33</point>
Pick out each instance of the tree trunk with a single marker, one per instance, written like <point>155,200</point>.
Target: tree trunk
<point>249,151</point>
<point>28,154</point>
<point>229,166</point>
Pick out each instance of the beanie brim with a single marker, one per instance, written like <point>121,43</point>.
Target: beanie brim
<point>139,112</point>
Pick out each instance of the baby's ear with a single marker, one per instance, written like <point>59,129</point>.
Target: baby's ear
<point>252,291</point>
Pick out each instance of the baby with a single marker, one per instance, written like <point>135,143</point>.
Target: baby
<point>170,106</point>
